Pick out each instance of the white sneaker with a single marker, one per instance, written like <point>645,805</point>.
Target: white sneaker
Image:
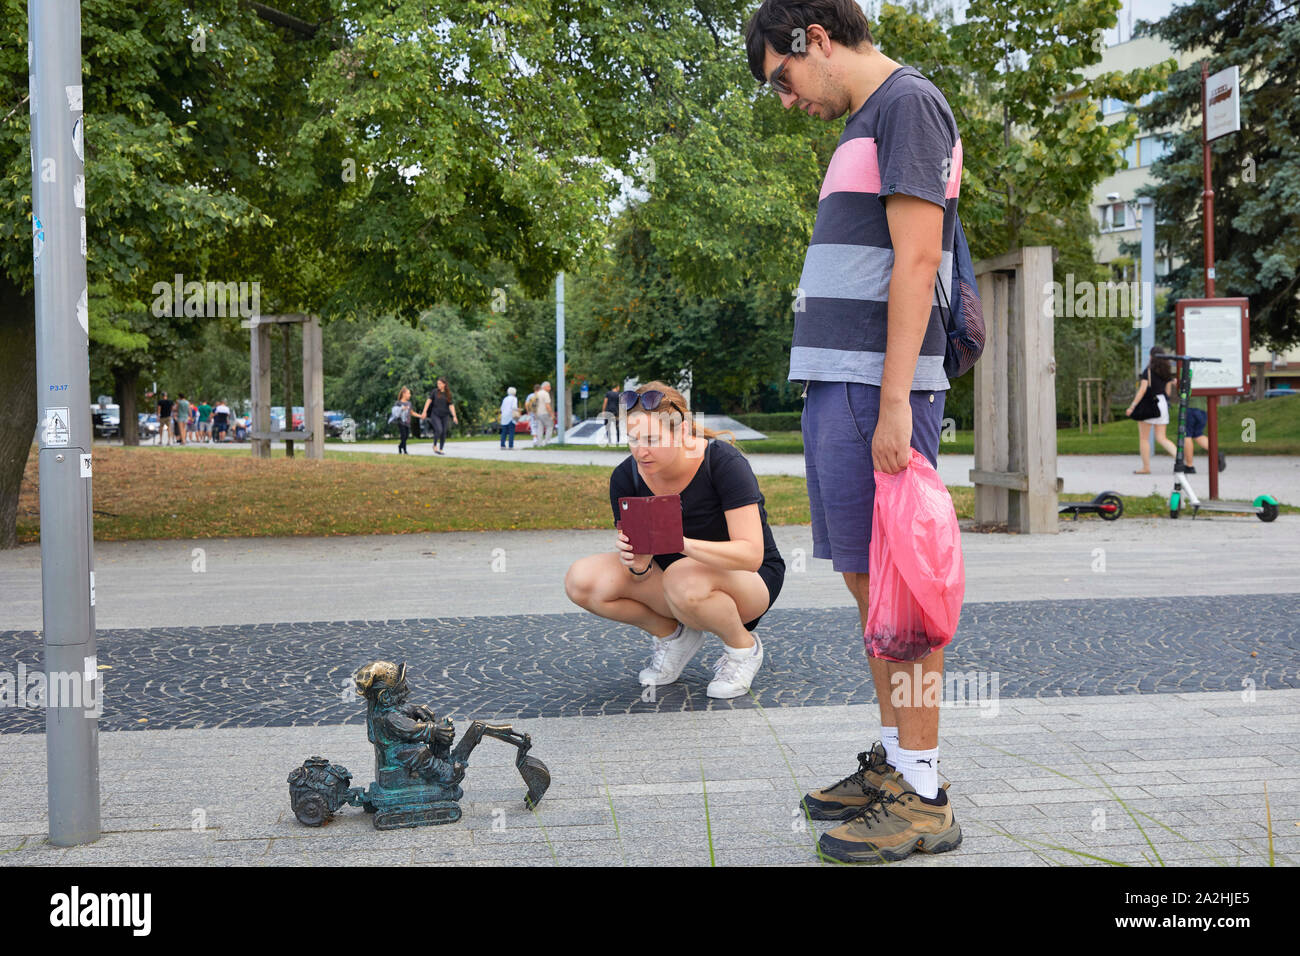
<point>732,677</point>
<point>671,656</point>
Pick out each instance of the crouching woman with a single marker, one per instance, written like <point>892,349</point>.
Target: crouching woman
<point>729,571</point>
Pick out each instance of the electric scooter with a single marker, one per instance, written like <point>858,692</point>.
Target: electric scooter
<point>1107,505</point>
<point>1264,507</point>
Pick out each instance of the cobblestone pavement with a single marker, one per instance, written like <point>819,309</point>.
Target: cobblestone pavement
<point>551,665</point>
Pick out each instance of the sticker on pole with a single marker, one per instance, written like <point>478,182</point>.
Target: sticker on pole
<point>79,192</point>
<point>57,428</point>
<point>38,237</point>
<point>74,98</point>
<point>85,466</point>
<point>78,142</point>
<point>83,313</point>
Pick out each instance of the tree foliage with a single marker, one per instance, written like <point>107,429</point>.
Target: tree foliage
<point>1256,171</point>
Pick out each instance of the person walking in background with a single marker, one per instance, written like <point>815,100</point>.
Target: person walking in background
<point>509,412</point>
<point>443,414</point>
<point>164,412</point>
<point>402,416</point>
<point>1150,407</point>
<point>1196,438</point>
<point>205,421</point>
<point>609,412</point>
<point>869,348</point>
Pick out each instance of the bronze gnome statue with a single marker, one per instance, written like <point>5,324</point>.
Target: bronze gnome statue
<point>417,771</point>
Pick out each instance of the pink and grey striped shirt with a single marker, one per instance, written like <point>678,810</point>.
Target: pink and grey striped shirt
<point>903,139</point>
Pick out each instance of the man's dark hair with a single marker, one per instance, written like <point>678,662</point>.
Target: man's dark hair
<point>774,24</point>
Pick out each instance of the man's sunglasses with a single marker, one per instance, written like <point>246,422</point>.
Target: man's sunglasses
<point>650,400</point>
<point>777,81</point>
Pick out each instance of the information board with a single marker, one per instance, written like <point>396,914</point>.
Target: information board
<point>1216,328</point>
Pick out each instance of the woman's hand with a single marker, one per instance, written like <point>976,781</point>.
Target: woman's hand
<point>635,562</point>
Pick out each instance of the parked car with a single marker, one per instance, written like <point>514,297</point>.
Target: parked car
<point>106,420</point>
<point>1281,392</point>
<point>277,418</point>
<point>334,424</point>
<point>147,425</point>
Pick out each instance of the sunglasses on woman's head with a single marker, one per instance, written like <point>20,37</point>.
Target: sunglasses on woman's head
<point>650,400</point>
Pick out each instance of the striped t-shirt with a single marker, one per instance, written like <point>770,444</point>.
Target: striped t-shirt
<point>903,139</point>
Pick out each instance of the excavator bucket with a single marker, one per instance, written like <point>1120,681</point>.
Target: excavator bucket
<point>535,775</point>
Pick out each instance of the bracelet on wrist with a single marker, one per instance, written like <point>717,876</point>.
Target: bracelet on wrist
<point>639,573</point>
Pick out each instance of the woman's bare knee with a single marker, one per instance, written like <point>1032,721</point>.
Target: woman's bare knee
<point>581,582</point>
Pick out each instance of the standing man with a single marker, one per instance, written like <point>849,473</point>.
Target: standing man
<point>509,412</point>
<point>545,414</point>
<point>164,412</point>
<point>869,346</point>
<point>205,421</point>
<point>609,412</point>
<point>183,416</point>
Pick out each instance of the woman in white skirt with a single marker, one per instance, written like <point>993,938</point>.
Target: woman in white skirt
<point>1157,379</point>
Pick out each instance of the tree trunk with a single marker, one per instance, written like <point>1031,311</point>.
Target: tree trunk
<point>17,400</point>
<point>125,383</point>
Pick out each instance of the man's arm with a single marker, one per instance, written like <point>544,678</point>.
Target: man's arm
<point>916,233</point>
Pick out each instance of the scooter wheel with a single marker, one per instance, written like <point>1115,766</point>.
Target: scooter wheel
<point>1267,511</point>
<point>1110,500</point>
<point>1174,502</point>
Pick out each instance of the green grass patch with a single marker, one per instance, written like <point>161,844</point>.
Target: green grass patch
<point>1270,426</point>
<point>184,493</point>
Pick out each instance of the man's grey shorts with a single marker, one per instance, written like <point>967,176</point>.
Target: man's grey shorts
<point>839,419</point>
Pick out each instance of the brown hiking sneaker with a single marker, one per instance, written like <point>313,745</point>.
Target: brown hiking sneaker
<point>898,823</point>
<point>855,792</point>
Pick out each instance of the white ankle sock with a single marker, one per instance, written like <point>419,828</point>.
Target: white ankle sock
<point>675,634</point>
<point>920,768</point>
<point>740,653</point>
<point>889,737</point>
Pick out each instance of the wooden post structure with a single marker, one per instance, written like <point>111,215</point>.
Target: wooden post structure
<point>1015,394</point>
<point>312,433</point>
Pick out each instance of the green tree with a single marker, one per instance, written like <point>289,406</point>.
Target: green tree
<point>1256,171</point>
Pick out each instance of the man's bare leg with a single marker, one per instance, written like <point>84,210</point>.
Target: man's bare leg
<point>859,587</point>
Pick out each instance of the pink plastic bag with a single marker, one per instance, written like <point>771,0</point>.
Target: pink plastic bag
<point>918,578</point>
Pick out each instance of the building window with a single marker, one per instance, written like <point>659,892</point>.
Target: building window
<point>1110,106</point>
<point>1152,148</point>
<point>1129,156</point>
<point>1116,215</point>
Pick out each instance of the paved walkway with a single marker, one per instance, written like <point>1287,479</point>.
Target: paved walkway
<point>1045,782</point>
<point>1246,476</point>
<point>1091,730</point>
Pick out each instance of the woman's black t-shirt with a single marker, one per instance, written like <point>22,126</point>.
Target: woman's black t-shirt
<point>441,404</point>
<point>724,481</point>
<point>1156,383</point>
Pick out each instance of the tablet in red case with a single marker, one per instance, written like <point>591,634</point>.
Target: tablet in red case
<point>653,524</point>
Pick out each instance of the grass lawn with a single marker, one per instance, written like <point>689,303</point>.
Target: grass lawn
<point>182,493</point>
<point>1276,432</point>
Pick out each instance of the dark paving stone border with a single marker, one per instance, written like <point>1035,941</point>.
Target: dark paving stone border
<point>516,667</point>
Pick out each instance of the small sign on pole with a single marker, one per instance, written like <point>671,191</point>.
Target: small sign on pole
<point>1223,103</point>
